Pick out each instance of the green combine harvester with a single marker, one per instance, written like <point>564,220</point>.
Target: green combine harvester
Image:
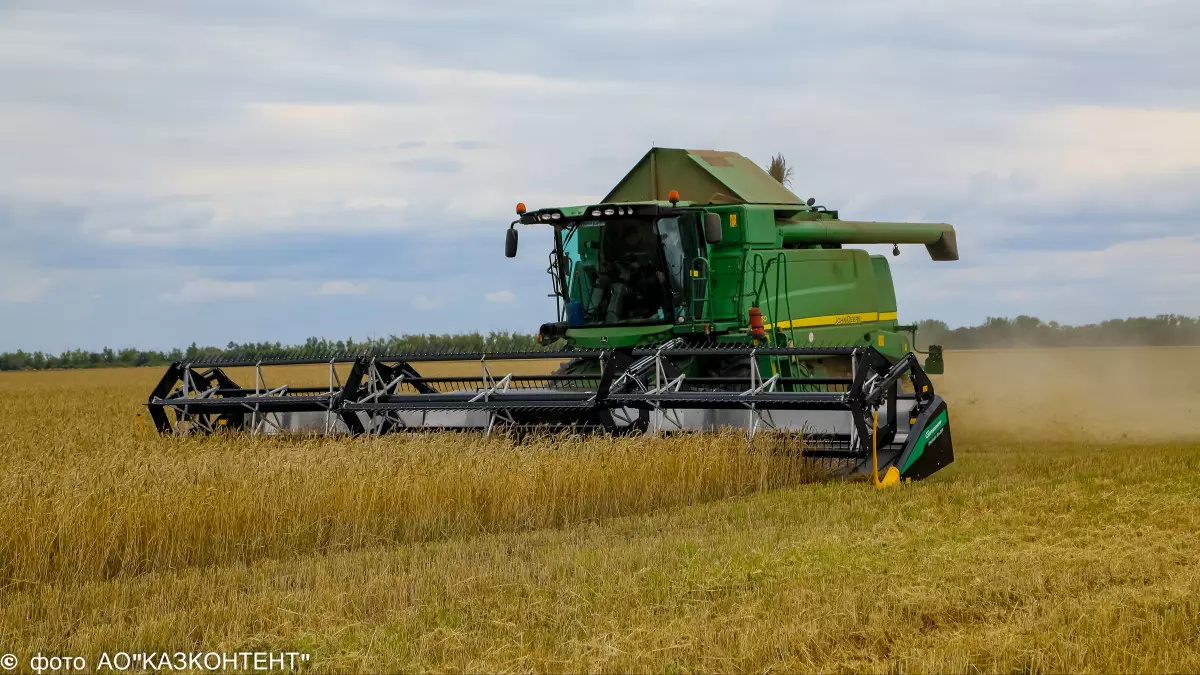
<point>700,293</point>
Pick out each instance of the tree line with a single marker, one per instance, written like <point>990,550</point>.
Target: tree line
<point>311,348</point>
<point>1022,331</point>
<point>1029,331</point>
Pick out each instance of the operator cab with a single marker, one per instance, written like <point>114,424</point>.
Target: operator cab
<point>621,264</point>
<point>625,271</point>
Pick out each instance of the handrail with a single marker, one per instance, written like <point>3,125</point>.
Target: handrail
<point>782,286</point>
<point>556,282</point>
<point>699,281</point>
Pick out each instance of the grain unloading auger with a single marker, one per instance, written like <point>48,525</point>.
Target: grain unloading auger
<point>739,308</point>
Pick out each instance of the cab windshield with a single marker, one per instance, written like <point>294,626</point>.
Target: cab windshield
<point>625,271</point>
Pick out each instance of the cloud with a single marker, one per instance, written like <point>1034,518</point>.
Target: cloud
<point>237,153</point>
<point>1084,143</point>
<point>1131,278</point>
<point>500,296</point>
<point>212,290</point>
<point>322,119</point>
<point>15,287</point>
<point>429,165</point>
<point>342,287</point>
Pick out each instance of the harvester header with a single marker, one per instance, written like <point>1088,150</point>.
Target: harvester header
<point>700,293</point>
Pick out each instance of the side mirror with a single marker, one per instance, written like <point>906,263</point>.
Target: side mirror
<point>712,228</point>
<point>510,243</point>
<point>934,365</point>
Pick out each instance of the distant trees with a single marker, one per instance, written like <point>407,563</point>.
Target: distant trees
<point>21,360</point>
<point>312,348</point>
<point>995,332</point>
<point>1030,331</point>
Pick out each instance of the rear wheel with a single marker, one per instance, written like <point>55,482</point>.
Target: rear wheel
<point>736,371</point>
<point>585,374</point>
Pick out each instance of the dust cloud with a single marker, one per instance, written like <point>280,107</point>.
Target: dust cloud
<point>1095,394</point>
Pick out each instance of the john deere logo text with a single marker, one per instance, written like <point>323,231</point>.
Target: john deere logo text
<point>847,319</point>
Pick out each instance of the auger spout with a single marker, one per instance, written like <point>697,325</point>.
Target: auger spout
<point>938,238</point>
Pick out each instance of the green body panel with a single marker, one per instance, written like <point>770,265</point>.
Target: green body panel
<point>619,336</point>
<point>776,253</point>
<point>885,290</point>
<point>809,296</point>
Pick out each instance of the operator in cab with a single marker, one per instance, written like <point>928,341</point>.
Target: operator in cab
<point>629,269</point>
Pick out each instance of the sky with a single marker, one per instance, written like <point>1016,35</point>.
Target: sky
<point>258,170</point>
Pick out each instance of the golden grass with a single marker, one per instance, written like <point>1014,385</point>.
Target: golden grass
<point>144,507</point>
<point>89,501</point>
<point>456,553</point>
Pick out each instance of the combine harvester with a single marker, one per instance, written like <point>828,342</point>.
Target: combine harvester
<point>700,293</point>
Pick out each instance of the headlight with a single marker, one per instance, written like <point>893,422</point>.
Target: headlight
<point>544,216</point>
<point>595,213</point>
<point>555,216</point>
<point>609,212</point>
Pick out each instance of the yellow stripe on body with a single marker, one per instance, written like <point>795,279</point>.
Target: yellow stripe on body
<point>834,320</point>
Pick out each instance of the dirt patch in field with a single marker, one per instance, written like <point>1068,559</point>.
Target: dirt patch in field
<point>1115,395</point>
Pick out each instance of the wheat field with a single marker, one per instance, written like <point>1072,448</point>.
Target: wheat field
<point>1065,537</point>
